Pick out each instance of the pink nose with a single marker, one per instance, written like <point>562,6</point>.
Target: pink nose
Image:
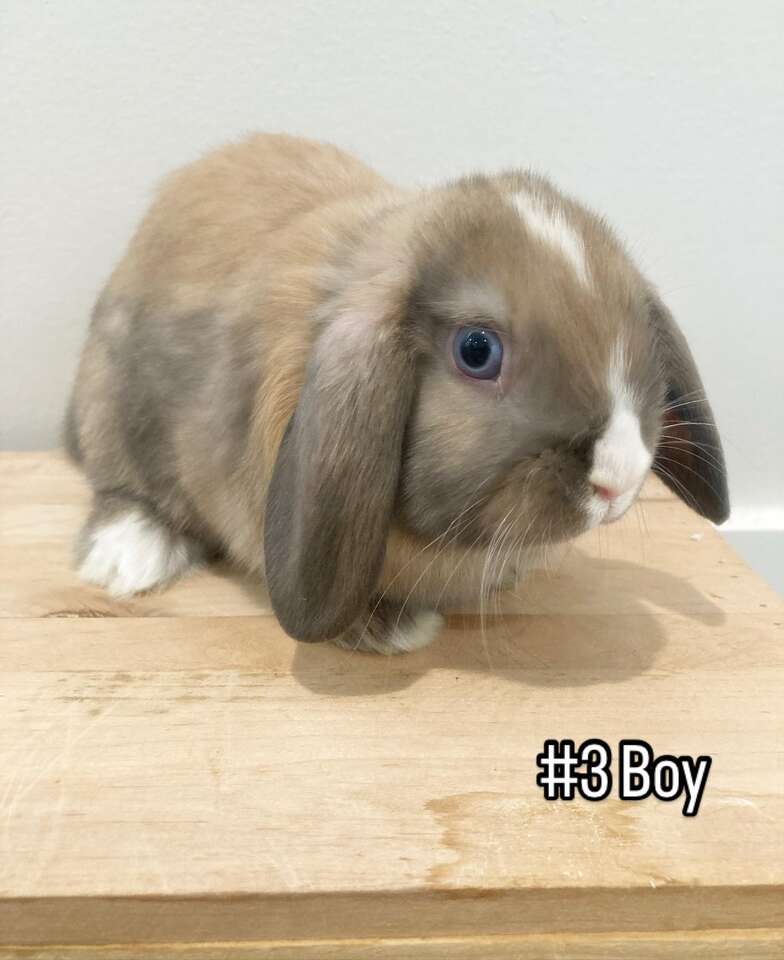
<point>606,493</point>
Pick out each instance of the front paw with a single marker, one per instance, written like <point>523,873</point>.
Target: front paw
<point>391,629</point>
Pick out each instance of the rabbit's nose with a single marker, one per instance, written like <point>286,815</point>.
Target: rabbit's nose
<point>606,493</point>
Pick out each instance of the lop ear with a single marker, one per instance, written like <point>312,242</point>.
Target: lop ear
<point>335,479</point>
<point>689,458</point>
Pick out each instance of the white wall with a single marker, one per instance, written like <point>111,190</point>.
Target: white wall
<point>666,116</point>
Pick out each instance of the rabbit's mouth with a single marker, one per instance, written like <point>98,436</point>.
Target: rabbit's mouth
<point>605,506</point>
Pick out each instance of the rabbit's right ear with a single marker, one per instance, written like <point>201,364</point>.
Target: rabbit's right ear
<point>333,487</point>
<point>689,458</point>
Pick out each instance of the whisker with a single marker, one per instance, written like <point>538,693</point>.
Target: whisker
<point>688,423</point>
<point>684,403</point>
<point>466,552</point>
<point>438,552</point>
<point>688,497</point>
<point>674,438</point>
<point>685,466</point>
<point>637,513</point>
<point>712,462</point>
<point>691,393</point>
<point>484,580</point>
<point>417,555</point>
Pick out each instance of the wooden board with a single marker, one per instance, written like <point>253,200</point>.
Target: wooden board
<point>178,777</point>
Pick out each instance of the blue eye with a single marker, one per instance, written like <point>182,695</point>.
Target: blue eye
<point>478,353</point>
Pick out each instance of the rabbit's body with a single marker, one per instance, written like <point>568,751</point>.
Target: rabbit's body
<point>198,345</point>
<point>248,264</point>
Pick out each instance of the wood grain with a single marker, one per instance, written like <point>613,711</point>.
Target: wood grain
<point>716,945</point>
<point>178,777</point>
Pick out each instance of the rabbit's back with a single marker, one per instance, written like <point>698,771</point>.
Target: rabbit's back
<point>176,399</point>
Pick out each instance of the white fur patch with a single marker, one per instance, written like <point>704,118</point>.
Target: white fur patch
<point>135,553</point>
<point>404,637</point>
<point>620,458</point>
<point>414,636</point>
<point>552,227</point>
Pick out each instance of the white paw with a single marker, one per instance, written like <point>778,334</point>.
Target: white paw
<point>411,633</point>
<point>414,634</point>
<point>134,553</point>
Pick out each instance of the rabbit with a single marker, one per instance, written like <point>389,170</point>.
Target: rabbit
<point>381,401</point>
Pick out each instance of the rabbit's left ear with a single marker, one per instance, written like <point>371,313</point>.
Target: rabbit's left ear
<point>332,492</point>
<point>689,458</point>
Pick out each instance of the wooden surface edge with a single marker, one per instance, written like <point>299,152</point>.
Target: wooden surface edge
<point>461,913</point>
<point>726,943</point>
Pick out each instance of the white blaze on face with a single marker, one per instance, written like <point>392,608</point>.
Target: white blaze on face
<point>620,458</point>
<point>552,228</point>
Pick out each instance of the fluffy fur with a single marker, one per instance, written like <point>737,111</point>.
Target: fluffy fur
<point>269,375</point>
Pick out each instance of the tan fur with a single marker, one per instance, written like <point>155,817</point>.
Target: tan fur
<point>249,254</point>
<point>249,227</point>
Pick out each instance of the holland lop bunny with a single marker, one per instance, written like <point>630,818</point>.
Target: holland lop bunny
<point>379,400</point>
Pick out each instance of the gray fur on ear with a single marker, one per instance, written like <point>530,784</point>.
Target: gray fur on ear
<point>335,479</point>
<point>689,458</point>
